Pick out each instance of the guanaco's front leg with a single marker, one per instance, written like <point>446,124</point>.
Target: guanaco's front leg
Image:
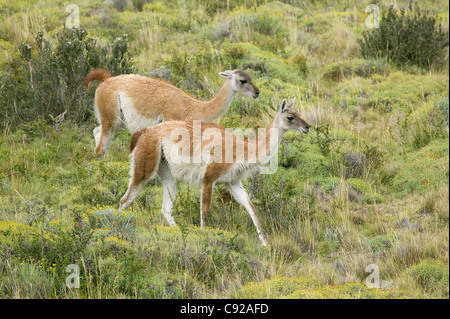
<point>240,194</point>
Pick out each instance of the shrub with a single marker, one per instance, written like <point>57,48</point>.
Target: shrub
<point>308,288</point>
<point>186,67</point>
<point>267,24</point>
<point>262,21</point>
<point>372,198</point>
<point>48,81</point>
<point>111,223</point>
<point>208,255</point>
<point>235,53</point>
<point>432,276</point>
<point>26,281</point>
<point>120,5</point>
<point>273,196</point>
<point>423,170</point>
<point>427,123</point>
<point>276,287</point>
<point>114,176</point>
<point>214,6</point>
<point>340,70</point>
<point>407,37</point>
<point>398,91</point>
<point>271,43</point>
<point>139,4</point>
<point>301,61</point>
<point>354,164</point>
<point>380,243</point>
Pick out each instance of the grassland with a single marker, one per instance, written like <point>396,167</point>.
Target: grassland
<point>368,185</point>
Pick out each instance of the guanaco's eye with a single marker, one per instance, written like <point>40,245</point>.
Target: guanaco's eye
<point>290,118</point>
<point>243,81</point>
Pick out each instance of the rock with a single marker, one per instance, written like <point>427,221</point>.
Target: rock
<point>405,223</point>
<point>354,163</point>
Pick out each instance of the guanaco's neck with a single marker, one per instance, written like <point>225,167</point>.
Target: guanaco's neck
<point>267,143</point>
<point>212,109</point>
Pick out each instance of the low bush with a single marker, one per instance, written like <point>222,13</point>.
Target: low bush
<point>308,288</point>
<point>407,36</point>
<point>398,91</point>
<point>431,275</point>
<point>423,170</point>
<point>48,79</point>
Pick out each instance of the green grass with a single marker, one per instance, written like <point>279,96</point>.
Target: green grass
<point>326,219</point>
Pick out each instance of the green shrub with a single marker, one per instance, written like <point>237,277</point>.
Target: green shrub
<point>308,288</point>
<point>427,123</point>
<point>432,276</point>
<point>111,223</point>
<point>301,61</point>
<point>272,44</point>
<point>363,68</point>
<point>26,280</point>
<point>305,155</point>
<point>139,4</point>
<point>48,81</point>
<point>276,287</point>
<point>166,286</point>
<point>114,177</point>
<point>186,67</point>
<point>235,53</point>
<point>208,255</point>
<point>109,246</point>
<point>262,20</point>
<point>9,7</point>
<point>398,91</point>
<point>423,170</point>
<point>407,37</point>
<point>356,189</point>
<point>372,198</point>
<point>120,5</point>
<point>381,243</point>
<point>215,6</point>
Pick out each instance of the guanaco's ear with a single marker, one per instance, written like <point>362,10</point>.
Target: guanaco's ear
<point>283,106</point>
<point>291,104</point>
<point>226,74</point>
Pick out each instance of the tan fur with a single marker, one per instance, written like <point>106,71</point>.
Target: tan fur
<point>107,116</point>
<point>150,145</point>
<point>155,100</point>
<point>96,75</point>
<point>135,138</point>
<point>145,162</point>
<point>153,97</point>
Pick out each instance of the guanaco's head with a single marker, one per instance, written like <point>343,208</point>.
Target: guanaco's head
<point>289,119</point>
<point>241,82</point>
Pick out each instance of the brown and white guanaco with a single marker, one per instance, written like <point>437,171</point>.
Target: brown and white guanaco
<point>139,101</point>
<point>204,154</point>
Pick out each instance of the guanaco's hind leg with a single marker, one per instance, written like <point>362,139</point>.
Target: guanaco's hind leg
<point>205,202</point>
<point>241,196</point>
<point>97,132</point>
<point>145,163</point>
<point>104,138</point>
<point>107,114</point>
<point>169,191</point>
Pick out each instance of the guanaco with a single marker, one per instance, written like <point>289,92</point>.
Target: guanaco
<point>139,101</point>
<point>204,154</point>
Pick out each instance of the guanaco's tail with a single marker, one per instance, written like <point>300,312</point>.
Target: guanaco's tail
<point>96,75</point>
<point>135,138</point>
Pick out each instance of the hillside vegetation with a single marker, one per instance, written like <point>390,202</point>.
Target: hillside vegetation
<point>369,185</point>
